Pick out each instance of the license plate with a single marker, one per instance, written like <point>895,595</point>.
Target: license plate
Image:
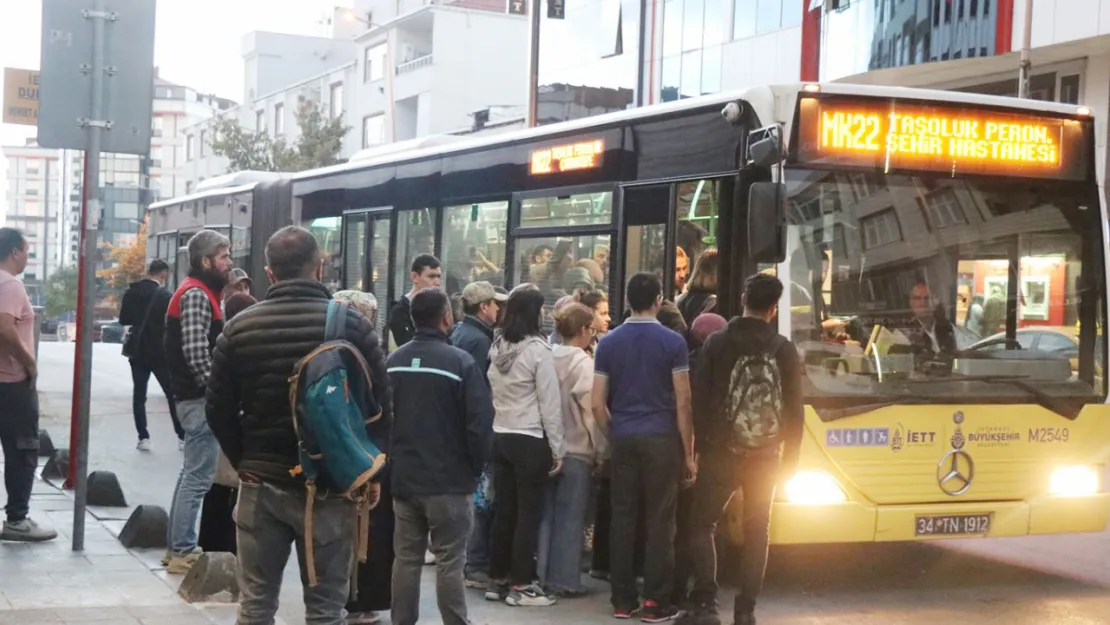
<point>953,524</point>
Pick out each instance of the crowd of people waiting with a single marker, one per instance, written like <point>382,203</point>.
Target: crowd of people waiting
<point>522,433</point>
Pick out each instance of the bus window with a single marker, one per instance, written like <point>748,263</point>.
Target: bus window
<point>474,244</point>
<point>583,209</point>
<point>416,234</point>
<point>572,267</point>
<point>697,210</point>
<point>355,254</point>
<point>379,225</point>
<point>327,233</point>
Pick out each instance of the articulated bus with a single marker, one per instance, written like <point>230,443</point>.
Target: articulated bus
<point>943,256</point>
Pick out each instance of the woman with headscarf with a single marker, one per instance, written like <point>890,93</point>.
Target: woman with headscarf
<point>217,526</point>
<point>374,592</point>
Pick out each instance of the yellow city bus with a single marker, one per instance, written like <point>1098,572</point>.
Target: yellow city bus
<point>944,257</point>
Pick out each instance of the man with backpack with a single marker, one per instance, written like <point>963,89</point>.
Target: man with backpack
<point>748,422</point>
<point>441,442</point>
<point>250,411</point>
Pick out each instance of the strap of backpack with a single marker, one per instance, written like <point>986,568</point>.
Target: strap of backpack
<point>775,345</point>
<point>336,327</point>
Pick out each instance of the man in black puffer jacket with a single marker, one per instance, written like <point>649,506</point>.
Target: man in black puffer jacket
<point>249,411</point>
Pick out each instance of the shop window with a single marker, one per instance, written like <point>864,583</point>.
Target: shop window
<point>584,209</point>
<point>579,262</point>
<point>474,244</point>
<point>416,234</point>
<point>327,231</point>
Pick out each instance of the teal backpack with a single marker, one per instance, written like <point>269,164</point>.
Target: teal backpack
<point>332,398</point>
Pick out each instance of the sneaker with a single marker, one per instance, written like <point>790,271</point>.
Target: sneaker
<point>599,574</point>
<point>497,590</point>
<point>181,564</point>
<point>530,596</point>
<point>26,531</point>
<point>700,616</point>
<point>363,618</point>
<point>180,444</point>
<point>429,558</point>
<point>655,613</point>
<point>477,579</point>
<point>144,445</point>
<point>625,613</point>
<point>746,617</point>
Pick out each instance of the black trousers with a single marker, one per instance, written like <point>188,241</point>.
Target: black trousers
<point>140,377</point>
<point>520,467</point>
<point>721,476</point>
<point>217,526</point>
<point>603,526</point>
<point>19,435</point>
<point>645,472</point>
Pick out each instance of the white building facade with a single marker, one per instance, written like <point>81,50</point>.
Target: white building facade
<point>397,72</point>
<point>32,205</point>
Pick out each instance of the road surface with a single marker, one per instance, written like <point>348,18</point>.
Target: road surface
<point>1035,581</point>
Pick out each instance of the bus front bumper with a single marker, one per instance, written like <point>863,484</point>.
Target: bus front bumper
<point>857,522</point>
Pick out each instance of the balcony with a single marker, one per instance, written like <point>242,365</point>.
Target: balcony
<point>413,65</point>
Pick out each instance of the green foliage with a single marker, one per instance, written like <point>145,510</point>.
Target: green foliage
<point>61,291</point>
<point>318,145</point>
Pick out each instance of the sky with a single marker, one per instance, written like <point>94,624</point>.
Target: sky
<point>197,43</point>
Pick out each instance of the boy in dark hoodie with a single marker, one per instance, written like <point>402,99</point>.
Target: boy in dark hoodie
<point>753,471</point>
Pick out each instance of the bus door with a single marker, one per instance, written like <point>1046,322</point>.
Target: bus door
<point>643,241</point>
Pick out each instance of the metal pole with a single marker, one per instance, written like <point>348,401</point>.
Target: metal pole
<point>46,229</point>
<point>642,85</point>
<point>1025,68</point>
<point>88,257</point>
<point>533,62</point>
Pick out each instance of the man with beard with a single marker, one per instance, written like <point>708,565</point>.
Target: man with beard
<point>193,322</point>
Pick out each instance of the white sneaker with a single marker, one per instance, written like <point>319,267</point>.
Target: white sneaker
<point>429,558</point>
<point>144,445</point>
<point>180,444</point>
<point>530,596</point>
<point>27,531</point>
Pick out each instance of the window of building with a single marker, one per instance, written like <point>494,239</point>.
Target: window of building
<point>711,69</point>
<point>189,148</point>
<point>374,63</point>
<point>986,12</point>
<point>156,126</point>
<point>126,210</point>
<point>768,15</point>
<point>584,209</point>
<point>1069,89</point>
<point>32,170</point>
<point>791,14</point>
<point>672,28</point>
<point>373,129</point>
<point>611,36</point>
<point>335,103</point>
<point>32,192</point>
<point>744,19</point>
<point>188,186</point>
<point>474,244</point>
<point>944,208</point>
<point>155,156</point>
<point>279,119</point>
<point>881,228</point>
<point>201,143</point>
<point>259,120</point>
<point>690,84</point>
<point>866,184</point>
<point>716,22</point>
<point>693,24</point>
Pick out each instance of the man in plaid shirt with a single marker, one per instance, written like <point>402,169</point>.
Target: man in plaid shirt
<point>193,322</point>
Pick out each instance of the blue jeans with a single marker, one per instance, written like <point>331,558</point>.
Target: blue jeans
<point>197,471</point>
<point>270,520</point>
<point>562,531</point>
<point>477,546</point>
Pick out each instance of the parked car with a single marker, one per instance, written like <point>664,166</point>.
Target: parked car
<point>108,332</point>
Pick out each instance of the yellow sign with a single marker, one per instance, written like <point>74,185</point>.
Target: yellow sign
<point>21,96</point>
<point>954,139</point>
<point>570,157</point>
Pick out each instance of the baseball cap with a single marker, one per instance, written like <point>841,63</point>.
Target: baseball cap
<point>237,275</point>
<point>478,292</point>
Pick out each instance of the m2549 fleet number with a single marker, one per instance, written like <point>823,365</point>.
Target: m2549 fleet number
<point>1049,435</point>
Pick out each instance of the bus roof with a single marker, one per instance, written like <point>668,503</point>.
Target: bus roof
<point>227,184</point>
<point>202,195</point>
<point>771,103</point>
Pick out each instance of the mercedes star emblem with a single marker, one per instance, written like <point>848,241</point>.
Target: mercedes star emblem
<point>955,472</point>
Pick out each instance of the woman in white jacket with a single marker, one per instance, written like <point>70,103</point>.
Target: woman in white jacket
<point>562,532</point>
<point>527,446</point>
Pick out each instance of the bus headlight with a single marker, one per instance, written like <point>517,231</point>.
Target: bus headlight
<point>814,488</point>
<point>1073,481</point>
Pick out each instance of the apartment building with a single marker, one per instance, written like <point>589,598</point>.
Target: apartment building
<point>32,204</point>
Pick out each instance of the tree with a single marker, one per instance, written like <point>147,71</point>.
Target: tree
<point>61,292</point>
<point>129,262</point>
<point>318,145</point>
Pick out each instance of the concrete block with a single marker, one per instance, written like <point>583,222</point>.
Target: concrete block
<point>57,466</point>
<point>146,529</point>
<point>46,444</point>
<point>104,490</point>
<point>213,578</point>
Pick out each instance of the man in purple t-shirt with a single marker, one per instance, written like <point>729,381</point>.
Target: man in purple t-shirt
<point>19,421</point>
<point>641,395</point>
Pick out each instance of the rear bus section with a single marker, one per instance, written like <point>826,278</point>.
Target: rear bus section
<point>945,273</point>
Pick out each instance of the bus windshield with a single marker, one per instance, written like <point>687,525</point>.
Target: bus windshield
<point>927,288</point>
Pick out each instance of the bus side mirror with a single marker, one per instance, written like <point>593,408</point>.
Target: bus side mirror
<point>767,222</point>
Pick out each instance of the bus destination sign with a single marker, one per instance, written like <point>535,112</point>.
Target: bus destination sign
<point>569,157</point>
<point>945,138</point>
